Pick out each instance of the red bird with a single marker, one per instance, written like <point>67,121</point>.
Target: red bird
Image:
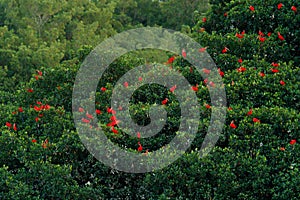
<point>140,148</point>
<point>103,89</point>
<point>165,101</point>
<point>262,74</point>
<point>241,69</point>
<point>172,89</point>
<point>220,72</point>
<point>115,131</point>
<point>20,109</point>
<point>98,112</point>
<point>85,120</point>
<point>15,127</point>
<point>225,50</point>
<point>232,125</point>
<point>280,36</point>
<point>255,120</point>
<point>183,53</point>
<point>240,36</point>
<point>40,73</point>
<point>292,142</point>
<point>250,112</point>
<point>207,106</point>
<point>262,39</point>
<point>275,64</point>
<point>206,71</point>
<point>203,49</point>
<point>195,88</point>
<point>89,116</point>
<point>274,70</point>
<point>8,124</point>
<point>171,60</point>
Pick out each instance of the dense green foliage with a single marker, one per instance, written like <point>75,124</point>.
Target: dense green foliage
<point>42,46</point>
<point>45,33</point>
<point>171,14</point>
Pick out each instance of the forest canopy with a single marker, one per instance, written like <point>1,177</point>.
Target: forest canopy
<point>255,48</point>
